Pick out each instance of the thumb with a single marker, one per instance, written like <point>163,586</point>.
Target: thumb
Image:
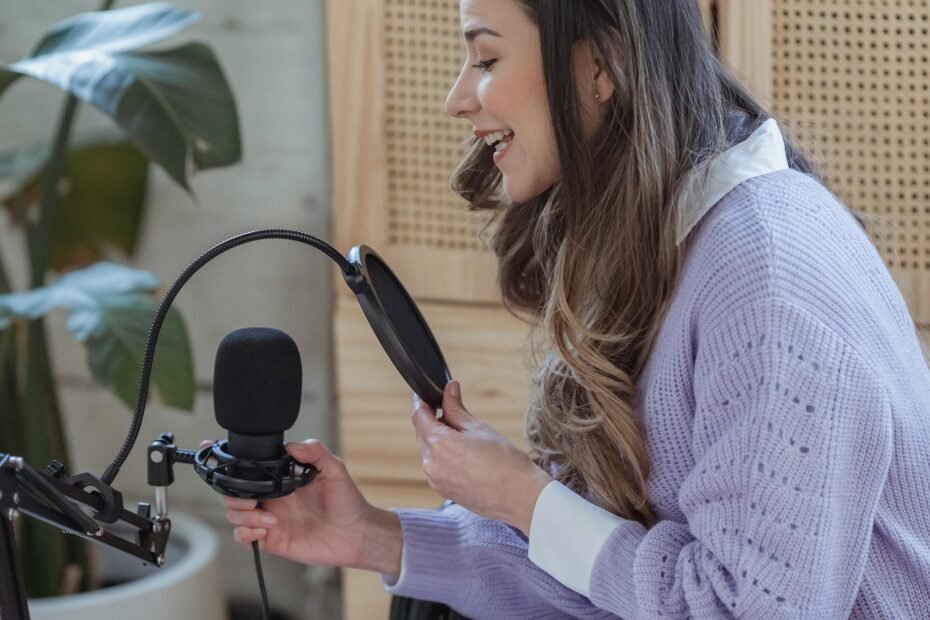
<point>311,452</point>
<point>453,410</point>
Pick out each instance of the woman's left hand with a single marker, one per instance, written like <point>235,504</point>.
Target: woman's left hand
<point>467,461</point>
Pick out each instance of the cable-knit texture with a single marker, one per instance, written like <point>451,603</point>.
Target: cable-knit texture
<point>787,415</point>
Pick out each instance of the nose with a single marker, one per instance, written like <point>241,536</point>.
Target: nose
<point>462,100</point>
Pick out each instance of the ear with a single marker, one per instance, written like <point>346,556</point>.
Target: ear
<point>592,74</point>
<point>603,81</point>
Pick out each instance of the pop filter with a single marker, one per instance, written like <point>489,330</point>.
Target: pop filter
<point>398,325</point>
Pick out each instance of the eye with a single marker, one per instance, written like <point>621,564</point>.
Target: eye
<point>485,65</point>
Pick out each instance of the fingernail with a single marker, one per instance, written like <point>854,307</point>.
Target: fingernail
<point>260,531</point>
<point>455,389</point>
<point>416,400</point>
<point>269,519</point>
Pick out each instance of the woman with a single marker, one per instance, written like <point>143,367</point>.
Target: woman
<point>731,416</point>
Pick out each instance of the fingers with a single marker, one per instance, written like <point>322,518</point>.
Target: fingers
<point>454,412</point>
<point>251,524</point>
<point>247,535</point>
<point>313,452</point>
<point>205,443</point>
<point>251,518</point>
<point>424,419</point>
<point>236,503</point>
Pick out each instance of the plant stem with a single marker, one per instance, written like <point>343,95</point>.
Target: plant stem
<point>40,237</point>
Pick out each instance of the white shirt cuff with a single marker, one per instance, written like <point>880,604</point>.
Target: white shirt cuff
<point>386,580</point>
<point>566,535</point>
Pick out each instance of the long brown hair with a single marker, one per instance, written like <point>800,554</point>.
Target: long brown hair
<point>594,261</point>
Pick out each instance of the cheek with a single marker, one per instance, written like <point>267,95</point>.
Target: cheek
<point>538,141</point>
<point>536,127</point>
<point>519,100</point>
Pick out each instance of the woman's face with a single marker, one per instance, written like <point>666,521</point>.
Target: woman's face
<point>502,89</point>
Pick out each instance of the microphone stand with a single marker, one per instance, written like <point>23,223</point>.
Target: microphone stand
<point>61,500</point>
<point>64,500</point>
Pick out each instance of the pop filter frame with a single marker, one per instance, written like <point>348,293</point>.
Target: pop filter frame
<point>407,340</point>
<point>426,379</point>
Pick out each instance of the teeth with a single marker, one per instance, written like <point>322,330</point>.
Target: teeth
<point>497,136</point>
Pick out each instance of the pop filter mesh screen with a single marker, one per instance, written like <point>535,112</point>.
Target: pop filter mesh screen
<point>404,317</point>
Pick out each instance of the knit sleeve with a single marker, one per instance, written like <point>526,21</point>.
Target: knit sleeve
<point>480,568</point>
<point>792,442</point>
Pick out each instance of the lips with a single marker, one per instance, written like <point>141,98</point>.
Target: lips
<point>494,137</point>
<point>502,148</point>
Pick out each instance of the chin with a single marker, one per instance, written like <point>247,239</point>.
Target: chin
<point>519,194</point>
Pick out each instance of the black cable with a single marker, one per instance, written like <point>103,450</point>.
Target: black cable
<point>347,268</point>
<point>266,612</point>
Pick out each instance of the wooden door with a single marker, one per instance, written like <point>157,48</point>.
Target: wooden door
<point>850,81</point>
<point>391,64</point>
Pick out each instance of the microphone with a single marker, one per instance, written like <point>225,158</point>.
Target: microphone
<point>256,397</point>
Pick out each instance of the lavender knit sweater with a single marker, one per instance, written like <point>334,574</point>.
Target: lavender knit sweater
<point>787,411</point>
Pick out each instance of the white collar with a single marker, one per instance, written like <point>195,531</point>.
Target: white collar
<point>761,153</point>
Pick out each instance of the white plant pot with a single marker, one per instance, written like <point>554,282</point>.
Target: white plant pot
<point>187,586</point>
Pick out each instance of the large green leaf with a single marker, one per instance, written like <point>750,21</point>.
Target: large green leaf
<point>101,203</point>
<point>102,198</point>
<point>175,105</point>
<point>115,356</point>
<point>19,165</point>
<point>111,314</point>
<point>118,30</point>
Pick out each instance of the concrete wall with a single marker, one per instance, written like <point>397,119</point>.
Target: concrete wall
<point>274,56</point>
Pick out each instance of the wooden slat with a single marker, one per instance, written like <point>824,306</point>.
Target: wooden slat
<point>440,274</point>
<point>745,30</point>
<point>355,33</point>
<point>484,350</point>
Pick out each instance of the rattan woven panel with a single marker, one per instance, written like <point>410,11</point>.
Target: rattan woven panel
<point>423,55</point>
<point>851,78</point>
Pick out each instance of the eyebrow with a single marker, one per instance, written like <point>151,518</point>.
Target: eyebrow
<point>470,35</point>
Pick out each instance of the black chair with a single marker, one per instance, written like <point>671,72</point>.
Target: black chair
<point>403,608</point>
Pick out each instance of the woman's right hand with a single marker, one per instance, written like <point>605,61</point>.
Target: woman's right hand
<point>325,523</point>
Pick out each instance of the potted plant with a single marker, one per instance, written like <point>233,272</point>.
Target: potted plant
<point>75,197</point>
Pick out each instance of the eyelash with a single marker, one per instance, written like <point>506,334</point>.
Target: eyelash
<point>484,64</point>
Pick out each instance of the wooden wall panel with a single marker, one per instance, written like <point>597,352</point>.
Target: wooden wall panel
<point>851,85</point>
<point>745,36</point>
<point>394,148</point>
<point>355,33</point>
<point>391,63</point>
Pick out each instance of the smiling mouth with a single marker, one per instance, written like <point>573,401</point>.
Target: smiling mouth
<point>501,145</point>
<point>499,139</point>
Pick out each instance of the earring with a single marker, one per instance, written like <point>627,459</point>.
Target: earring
<point>597,96</point>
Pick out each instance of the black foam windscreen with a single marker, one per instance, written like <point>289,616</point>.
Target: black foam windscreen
<point>257,381</point>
